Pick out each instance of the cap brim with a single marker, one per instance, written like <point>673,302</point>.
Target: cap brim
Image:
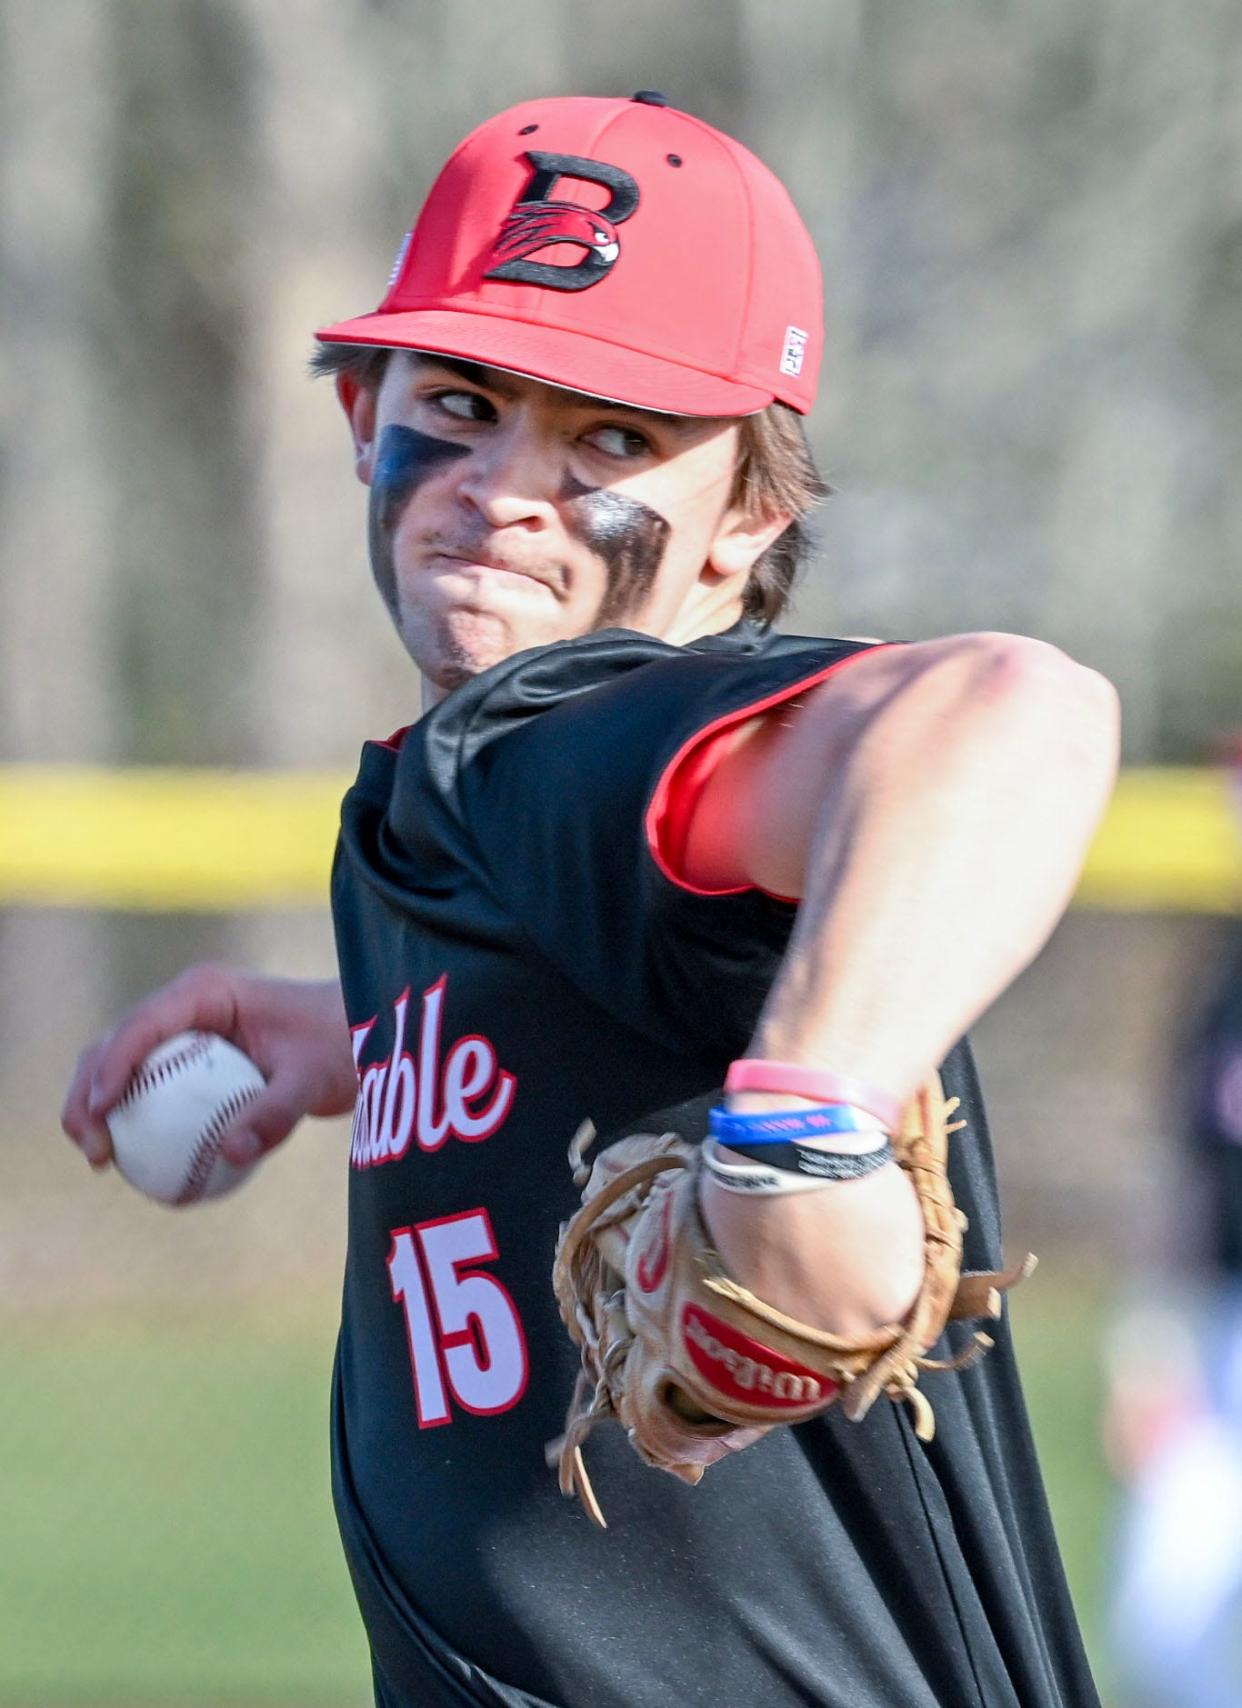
<point>571,360</point>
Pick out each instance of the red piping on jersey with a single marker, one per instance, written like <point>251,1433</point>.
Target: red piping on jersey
<point>680,785</point>
<point>395,739</point>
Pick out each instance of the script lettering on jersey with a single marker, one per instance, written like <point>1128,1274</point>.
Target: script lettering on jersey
<point>424,1095</point>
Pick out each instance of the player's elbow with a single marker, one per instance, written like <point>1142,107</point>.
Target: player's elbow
<point>1063,709</point>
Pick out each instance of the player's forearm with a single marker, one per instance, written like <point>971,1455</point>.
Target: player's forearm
<point>943,845</point>
<point>946,844</point>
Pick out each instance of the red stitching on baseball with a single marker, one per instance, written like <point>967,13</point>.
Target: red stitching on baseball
<point>146,1079</point>
<point>207,1149</point>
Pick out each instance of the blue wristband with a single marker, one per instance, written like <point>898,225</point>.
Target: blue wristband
<point>783,1126</point>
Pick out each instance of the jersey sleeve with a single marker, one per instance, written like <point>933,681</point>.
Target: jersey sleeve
<point>580,816</point>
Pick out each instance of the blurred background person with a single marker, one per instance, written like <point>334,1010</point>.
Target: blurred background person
<point>1173,1422</point>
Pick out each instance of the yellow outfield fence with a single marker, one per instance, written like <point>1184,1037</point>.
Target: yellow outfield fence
<point>155,840</point>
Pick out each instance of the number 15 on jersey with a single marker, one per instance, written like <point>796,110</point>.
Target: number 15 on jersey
<point>465,1339</point>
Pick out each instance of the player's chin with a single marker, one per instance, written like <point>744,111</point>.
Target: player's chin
<point>461,644</point>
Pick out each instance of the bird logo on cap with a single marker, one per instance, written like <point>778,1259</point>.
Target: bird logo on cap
<point>537,222</point>
<point>536,225</point>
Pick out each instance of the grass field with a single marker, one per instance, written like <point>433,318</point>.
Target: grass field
<point>1058,1326</point>
<point>167,1537</point>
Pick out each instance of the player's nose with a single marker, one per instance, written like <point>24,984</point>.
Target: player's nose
<point>514,477</point>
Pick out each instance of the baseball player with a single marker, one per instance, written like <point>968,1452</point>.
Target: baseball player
<point>642,863</point>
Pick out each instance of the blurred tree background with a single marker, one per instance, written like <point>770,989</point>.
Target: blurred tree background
<point>1030,218</point>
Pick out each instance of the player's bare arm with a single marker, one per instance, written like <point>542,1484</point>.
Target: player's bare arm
<point>294,1030</point>
<point>932,805</point>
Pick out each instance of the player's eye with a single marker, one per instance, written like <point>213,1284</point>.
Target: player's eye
<point>463,405</point>
<point>618,441</point>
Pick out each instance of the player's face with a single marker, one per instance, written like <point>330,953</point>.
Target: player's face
<point>506,514</point>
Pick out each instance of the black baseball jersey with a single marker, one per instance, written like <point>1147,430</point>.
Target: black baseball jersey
<point>518,953</point>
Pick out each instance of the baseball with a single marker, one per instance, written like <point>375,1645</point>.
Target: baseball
<point>166,1128</point>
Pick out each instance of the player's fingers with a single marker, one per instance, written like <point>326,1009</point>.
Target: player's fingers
<point>202,998</point>
<point>89,1132</point>
<point>73,1115</point>
<point>265,1121</point>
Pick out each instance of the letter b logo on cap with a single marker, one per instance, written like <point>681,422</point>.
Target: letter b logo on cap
<point>537,222</point>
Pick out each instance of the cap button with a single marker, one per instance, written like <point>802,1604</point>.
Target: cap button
<point>650,98</point>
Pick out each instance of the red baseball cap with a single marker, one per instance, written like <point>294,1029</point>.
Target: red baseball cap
<point>619,248</point>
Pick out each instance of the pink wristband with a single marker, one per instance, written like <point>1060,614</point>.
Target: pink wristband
<point>751,1074</point>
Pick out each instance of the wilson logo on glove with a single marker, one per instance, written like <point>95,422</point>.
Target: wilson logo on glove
<point>744,1369</point>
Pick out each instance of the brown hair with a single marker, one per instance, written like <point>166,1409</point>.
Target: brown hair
<point>775,475</point>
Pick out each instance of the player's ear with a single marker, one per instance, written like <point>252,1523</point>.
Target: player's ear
<point>742,538</point>
<point>358,401</point>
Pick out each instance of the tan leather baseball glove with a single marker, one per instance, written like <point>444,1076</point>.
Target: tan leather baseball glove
<point>690,1362</point>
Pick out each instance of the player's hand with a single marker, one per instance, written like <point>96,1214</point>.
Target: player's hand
<point>847,1259</point>
<point>294,1030</point>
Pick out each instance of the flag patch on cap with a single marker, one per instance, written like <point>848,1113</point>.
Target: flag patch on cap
<point>402,252</point>
<point>794,353</point>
